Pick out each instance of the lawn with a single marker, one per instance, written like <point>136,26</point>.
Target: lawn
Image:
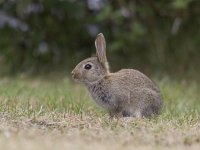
<point>40,113</point>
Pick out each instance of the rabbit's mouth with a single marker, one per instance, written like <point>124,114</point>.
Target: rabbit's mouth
<point>76,76</point>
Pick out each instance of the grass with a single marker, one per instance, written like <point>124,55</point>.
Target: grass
<point>58,114</point>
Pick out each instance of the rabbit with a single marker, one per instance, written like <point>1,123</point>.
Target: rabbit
<point>126,93</point>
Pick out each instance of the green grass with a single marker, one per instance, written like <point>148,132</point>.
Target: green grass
<point>59,114</point>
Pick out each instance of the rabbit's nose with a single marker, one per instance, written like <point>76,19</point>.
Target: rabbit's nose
<point>73,73</point>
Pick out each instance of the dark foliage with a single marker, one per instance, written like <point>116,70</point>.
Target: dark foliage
<point>53,35</point>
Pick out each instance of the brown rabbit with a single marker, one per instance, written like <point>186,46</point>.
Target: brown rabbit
<point>126,93</point>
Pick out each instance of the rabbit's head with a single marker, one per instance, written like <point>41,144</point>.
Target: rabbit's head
<point>94,68</point>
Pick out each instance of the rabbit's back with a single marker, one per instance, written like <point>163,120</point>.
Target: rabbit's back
<point>130,79</point>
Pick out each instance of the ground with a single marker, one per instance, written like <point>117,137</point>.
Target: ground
<point>59,114</point>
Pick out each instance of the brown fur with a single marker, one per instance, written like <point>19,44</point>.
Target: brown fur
<point>126,93</point>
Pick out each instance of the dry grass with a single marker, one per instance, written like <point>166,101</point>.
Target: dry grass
<point>38,114</point>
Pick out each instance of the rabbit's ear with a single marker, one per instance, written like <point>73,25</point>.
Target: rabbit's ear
<point>100,44</point>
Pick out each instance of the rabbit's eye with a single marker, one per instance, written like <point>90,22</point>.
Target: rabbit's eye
<point>88,66</point>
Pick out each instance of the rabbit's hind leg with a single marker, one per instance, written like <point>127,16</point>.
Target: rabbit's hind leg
<point>151,103</point>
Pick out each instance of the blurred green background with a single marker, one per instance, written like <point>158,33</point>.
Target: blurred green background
<point>51,36</point>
